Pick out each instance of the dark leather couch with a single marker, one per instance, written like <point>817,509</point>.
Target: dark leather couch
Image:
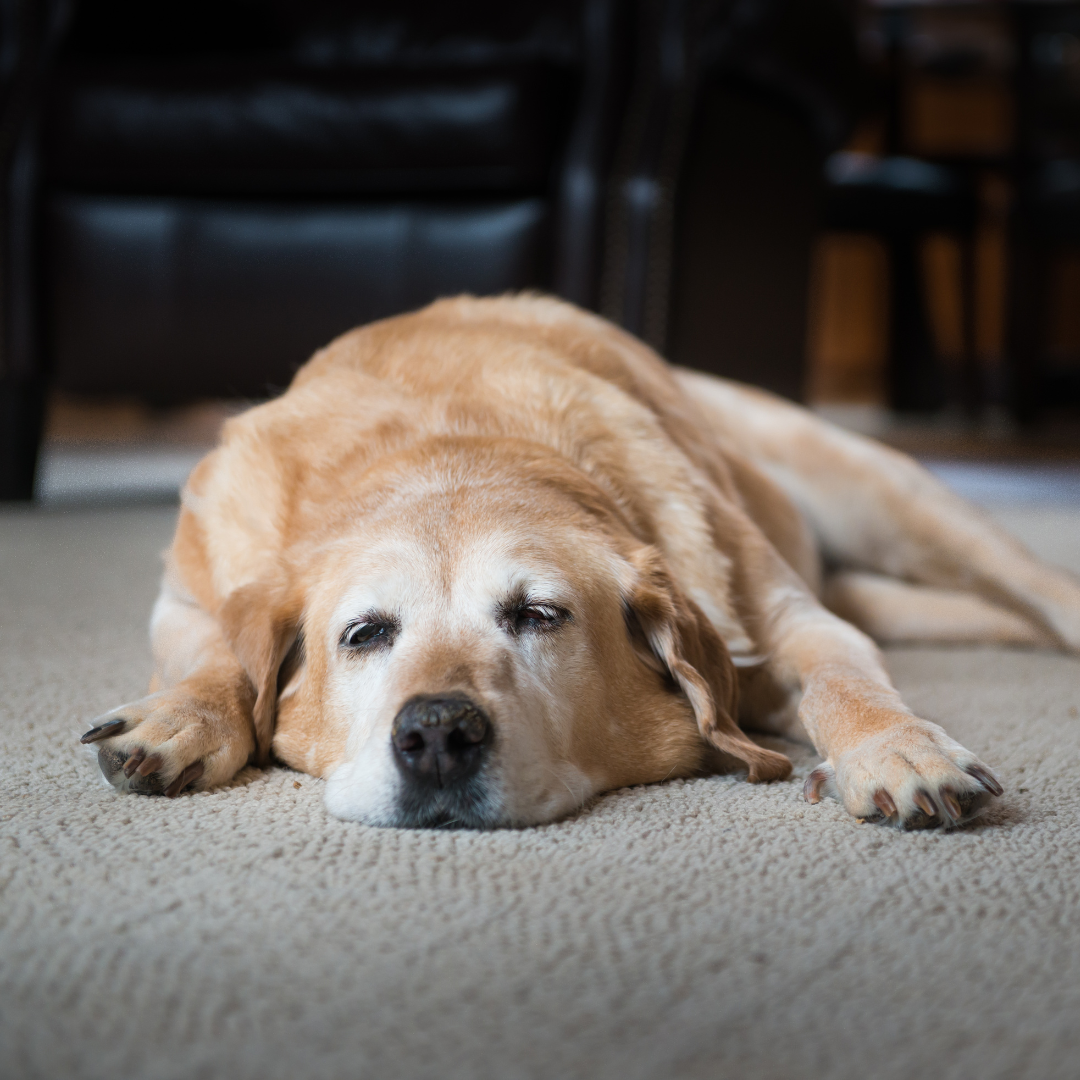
<point>212,190</point>
<point>201,192</point>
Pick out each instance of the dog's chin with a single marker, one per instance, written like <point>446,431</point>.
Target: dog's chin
<point>468,806</point>
<point>354,793</point>
<point>374,792</point>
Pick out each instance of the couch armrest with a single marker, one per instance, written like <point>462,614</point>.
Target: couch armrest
<point>589,150</point>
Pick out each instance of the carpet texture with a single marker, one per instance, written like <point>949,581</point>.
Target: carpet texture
<point>693,929</point>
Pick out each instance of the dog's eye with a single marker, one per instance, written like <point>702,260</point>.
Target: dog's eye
<point>536,617</point>
<point>359,635</point>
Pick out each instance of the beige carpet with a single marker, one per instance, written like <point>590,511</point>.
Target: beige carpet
<point>702,929</point>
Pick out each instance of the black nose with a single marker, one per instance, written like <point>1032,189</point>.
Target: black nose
<point>440,740</point>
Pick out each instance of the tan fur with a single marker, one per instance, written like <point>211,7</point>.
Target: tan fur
<point>685,519</point>
<point>894,611</point>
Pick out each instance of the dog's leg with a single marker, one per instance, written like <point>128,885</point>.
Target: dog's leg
<point>892,611</point>
<point>874,509</point>
<point>194,730</point>
<point>824,679</point>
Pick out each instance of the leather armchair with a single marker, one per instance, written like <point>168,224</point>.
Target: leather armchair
<point>202,192</point>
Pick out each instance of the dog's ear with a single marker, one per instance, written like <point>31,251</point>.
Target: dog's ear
<point>673,635</point>
<point>260,621</point>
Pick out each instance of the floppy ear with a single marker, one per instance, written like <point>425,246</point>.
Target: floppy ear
<point>674,635</point>
<point>260,622</point>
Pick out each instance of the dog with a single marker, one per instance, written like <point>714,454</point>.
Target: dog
<point>483,562</point>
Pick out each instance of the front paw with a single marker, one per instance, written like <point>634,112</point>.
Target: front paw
<point>167,743</point>
<point>911,775</point>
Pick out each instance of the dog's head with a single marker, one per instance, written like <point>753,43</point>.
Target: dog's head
<point>482,641</point>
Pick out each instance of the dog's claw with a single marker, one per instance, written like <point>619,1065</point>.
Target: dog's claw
<point>987,779</point>
<point>151,764</point>
<point>925,803</point>
<point>188,776</point>
<point>952,805</point>
<point>813,785</point>
<point>884,802</point>
<point>104,731</point>
<point>134,762</point>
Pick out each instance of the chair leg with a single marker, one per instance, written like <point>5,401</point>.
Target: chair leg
<point>915,376</point>
<point>972,390</point>
<point>22,384</point>
<point>22,417</point>
<point>1027,303</point>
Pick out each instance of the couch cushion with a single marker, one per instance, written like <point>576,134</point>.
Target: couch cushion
<point>217,129</point>
<point>180,298</point>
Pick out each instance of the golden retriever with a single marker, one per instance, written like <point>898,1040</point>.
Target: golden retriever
<point>483,562</point>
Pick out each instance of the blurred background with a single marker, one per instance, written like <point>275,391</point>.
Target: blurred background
<point>869,207</point>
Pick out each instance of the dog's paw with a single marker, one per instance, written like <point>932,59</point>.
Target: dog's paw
<point>167,743</point>
<point>911,775</point>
